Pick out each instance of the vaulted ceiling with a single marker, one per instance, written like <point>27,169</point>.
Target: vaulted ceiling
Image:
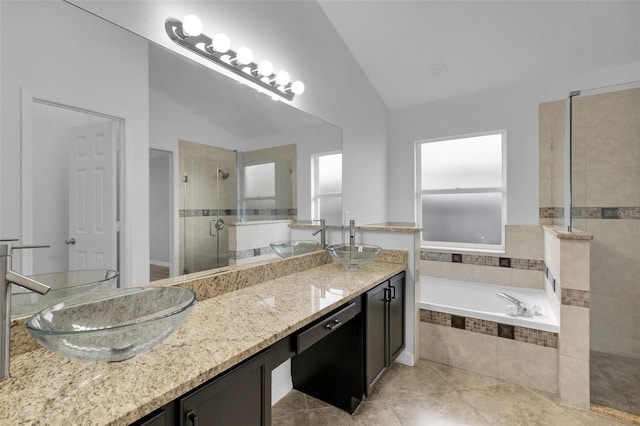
<point>420,51</point>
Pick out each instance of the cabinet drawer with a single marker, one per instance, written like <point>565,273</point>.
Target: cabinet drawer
<point>326,326</point>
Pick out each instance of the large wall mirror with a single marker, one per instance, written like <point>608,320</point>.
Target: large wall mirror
<point>227,166</point>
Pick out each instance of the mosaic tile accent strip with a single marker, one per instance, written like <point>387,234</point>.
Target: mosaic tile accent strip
<point>551,212</point>
<point>506,331</point>
<point>489,328</point>
<point>574,297</point>
<point>592,212</point>
<point>458,322</point>
<point>253,252</point>
<point>536,337</point>
<point>483,260</point>
<point>492,328</point>
<point>435,317</point>
<point>282,213</point>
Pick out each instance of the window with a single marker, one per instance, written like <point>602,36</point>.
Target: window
<point>461,197</point>
<point>327,187</point>
<point>259,189</point>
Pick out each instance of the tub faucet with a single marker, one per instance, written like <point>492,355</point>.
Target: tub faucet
<point>323,233</point>
<point>7,277</point>
<point>523,310</point>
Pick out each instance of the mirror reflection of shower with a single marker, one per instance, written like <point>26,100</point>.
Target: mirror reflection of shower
<point>224,175</point>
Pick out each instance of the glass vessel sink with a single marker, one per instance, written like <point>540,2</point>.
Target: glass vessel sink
<point>113,325</point>
<point>361,255</point>
<point>293,248</point>
<point>63,285</point>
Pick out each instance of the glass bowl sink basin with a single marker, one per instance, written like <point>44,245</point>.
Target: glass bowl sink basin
<point>113,325</point>
<point>293,248</point>
<point>361,254</point>
<point>63,285</point>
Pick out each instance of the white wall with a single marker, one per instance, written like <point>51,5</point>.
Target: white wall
<point>40,42</point>
<point>514,109</point>
<point>160,206</point>
<point>298,37</point>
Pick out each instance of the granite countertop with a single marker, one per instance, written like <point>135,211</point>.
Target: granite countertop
<point>46,388</point>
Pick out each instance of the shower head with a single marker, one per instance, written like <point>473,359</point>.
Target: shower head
<point>223,174</point>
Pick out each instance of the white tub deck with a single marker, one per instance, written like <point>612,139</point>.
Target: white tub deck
<point>479,300</point>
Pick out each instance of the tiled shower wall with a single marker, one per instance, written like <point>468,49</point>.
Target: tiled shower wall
<point>520,266</point>
<point>606,204</point>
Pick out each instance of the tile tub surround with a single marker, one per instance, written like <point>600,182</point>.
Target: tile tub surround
<point>514,354</point>
<point>520,266</point>
<point>220,332</point>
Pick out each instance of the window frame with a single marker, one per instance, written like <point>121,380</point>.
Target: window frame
<point>460,246</point>
<point>315,184</point>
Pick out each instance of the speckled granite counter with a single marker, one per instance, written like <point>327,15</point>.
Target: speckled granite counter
<point>48,389</point>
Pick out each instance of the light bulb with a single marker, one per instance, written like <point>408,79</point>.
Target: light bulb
<point>297,87</point>
<point>244,55</point>
<point>282,78</point>
<point>265,68</point>
<point>192,26</point>
<point>220,42</point>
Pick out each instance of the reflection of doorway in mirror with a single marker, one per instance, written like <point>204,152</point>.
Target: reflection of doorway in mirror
<point>160,213</point>
<point>70,187</point>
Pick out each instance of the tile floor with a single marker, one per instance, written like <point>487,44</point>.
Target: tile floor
<point>437,394</point>
<point>615,382</point>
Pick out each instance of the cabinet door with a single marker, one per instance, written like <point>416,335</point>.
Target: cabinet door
<point>375,310</point>
<point>396,317</point>
<point>239,397</point>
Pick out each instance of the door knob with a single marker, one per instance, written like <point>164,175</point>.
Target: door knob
<point>70,241</point>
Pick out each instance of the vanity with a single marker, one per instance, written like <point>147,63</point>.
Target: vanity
<point>218,364</point>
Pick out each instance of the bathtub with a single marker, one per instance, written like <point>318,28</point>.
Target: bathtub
<point>479,300</point>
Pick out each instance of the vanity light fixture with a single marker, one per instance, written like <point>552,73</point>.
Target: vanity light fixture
<point>188,34</point>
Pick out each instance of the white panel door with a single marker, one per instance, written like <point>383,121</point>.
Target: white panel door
<point>92,197</point>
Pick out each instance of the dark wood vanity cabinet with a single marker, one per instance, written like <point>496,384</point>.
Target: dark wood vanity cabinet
<point>240,396</point>
<point>384,312</point>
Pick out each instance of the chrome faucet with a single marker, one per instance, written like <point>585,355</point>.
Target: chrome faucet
<point>9,277</point>
<point>523,310</point>
<point>323,233</point>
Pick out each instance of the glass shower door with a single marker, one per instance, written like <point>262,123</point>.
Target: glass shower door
<point>207,184</point>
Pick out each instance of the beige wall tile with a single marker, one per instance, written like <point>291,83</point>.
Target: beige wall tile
<point>614,325</point>
<point>613,187</point>
<point>573,382</point>
<point>492,275</point>
<point>434,342</point>
<point>528,365</point>
<point>615,277</point>
<point>579,188</point>
<point>615,238</point>
<point>473,351</point>
<point>430,268</point>
<point>574,332</point>
<point>524,242</point>
<point>552,253</point>
<point>574,264</point>
<point>457,271</point>
<point>528,279</point>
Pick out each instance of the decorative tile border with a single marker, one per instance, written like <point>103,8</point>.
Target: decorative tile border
<point>536,337</point>
<point>483,260</point>
<point>491,328</point>
<point>253,252</point>
<point>574,297</point>
<point>551,212</point>
<point>289,213</point>
<point>592,212</point>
